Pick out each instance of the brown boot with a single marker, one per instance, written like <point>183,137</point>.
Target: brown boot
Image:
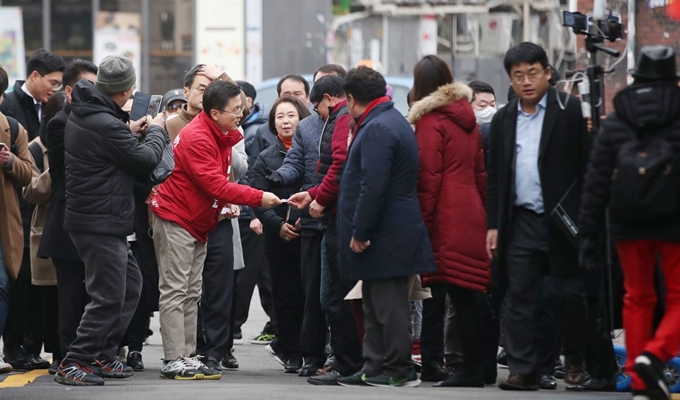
<point>520,382</point>
<point>575,375</point>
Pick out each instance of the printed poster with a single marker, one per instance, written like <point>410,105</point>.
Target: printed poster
<point>12,57</point>
<point>119,33</point>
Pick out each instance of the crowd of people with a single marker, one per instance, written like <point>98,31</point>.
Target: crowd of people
<point>382,245</point>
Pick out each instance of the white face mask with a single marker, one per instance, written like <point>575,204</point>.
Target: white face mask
<point>485,115</point>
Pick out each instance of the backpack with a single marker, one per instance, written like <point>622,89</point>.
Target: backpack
<point>646,182</point>
<point>14,134</point>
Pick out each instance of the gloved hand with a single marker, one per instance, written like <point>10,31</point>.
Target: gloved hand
<point>274,178</point>
<point>589,253</point>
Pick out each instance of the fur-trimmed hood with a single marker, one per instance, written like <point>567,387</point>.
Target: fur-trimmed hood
<point>452,100</point>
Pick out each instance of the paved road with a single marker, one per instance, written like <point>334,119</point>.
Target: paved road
<point>259,377</point>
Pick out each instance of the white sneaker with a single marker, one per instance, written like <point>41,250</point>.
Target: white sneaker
<point>4,367</point>
<point>180,369</point>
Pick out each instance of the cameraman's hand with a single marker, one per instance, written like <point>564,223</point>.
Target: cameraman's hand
<point>140,126</point>
<point>158,121</point>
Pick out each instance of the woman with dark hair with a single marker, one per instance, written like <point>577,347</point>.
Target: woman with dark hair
<point>282,236</point>
<point>452,191</point>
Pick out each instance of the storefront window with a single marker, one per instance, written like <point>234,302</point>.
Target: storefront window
<point>71,29</point>
<point>171,29</point>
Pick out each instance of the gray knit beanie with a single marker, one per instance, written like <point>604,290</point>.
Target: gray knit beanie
<point>116,74</point>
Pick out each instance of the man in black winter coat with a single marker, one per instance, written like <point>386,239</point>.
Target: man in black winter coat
<point>56,244</point>
<point>26,103</point>
<point>646,116</point>
<point>103,157</point>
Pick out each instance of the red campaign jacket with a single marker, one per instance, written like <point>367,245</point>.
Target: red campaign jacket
<point>199,186</point>
<point>452,186</point>
<point>326,194</point>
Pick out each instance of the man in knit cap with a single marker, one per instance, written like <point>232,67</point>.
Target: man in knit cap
<point>103,154</point>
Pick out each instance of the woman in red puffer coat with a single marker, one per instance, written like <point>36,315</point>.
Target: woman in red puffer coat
<point>452,191</point>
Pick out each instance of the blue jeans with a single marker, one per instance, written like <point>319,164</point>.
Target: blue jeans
<point>4,293</point>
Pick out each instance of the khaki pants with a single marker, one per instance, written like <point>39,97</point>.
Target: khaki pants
<point>180,268</point>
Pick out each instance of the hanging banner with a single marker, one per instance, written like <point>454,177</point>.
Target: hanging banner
<point>428,35</point>
<point>12,57</point>
<point>219,39</point>
<point>119,34</point>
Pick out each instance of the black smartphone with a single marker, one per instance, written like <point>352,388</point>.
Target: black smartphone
<point>140,106</point>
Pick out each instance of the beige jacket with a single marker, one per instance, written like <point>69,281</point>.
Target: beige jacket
<point>38,192</point>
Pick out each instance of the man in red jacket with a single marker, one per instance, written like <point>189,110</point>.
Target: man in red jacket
<point>187,208</point>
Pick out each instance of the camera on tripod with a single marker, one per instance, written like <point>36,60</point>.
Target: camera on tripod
<point>610,28</point>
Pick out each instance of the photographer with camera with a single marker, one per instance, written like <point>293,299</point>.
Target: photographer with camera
<point>634,170</point>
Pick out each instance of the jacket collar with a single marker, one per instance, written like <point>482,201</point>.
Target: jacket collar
<point>185,115</point>
<point>223,140</point>
<point>439,98</point>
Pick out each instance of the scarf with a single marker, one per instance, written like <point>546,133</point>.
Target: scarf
<point>287,142</point>
<point>354,128</point>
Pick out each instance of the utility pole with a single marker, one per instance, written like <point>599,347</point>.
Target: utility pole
<point>527,20</point>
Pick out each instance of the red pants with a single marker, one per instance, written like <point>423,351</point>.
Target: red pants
<point>638,260</point>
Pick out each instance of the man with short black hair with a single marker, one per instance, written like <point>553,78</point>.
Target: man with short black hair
<point>56,244</point>
<point>329,69</point>
<point>26,103</point>
<point>382,239</point>
<point>295,86</point>
<point>103,155</point>
<point>187,209</point>
<point>537,154</point>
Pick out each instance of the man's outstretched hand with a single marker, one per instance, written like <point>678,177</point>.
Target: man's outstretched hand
<point>300,200</point>
<point>270,200</point>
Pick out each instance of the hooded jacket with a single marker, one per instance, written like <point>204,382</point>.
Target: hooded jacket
<point>102,157</point>
<point>452,186</point>
<point>653,107</point>
<point>199,186</point>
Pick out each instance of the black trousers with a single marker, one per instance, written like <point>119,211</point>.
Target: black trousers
<point>387,324</point>
<point>138,330</point>
<point>24,326</point>
<point>526,261</point>
<point>72,299</point>
<point>550,332</point>
<point>489,334</point>
<point>257,273</point>
<point>314,327</point>
<point>344,336</point>
<point>467,324</point>
<point>600,358</point>
<point>114,283</point>
<point>289,302</point>
<point>214,315</point>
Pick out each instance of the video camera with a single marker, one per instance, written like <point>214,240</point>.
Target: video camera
<point>610,28</point>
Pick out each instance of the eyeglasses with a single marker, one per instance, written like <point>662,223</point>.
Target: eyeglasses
<point>519,78</point>
<point>236,113</point>
<point>56,85</point>
<point>174,107</point>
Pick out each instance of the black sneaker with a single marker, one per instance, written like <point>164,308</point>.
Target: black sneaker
<point>212,363</point>
<point>209,373</point>
<point>293,365</point>
<point>463,380</point>
<point>329,378</point>
<point>112,369</point>
<point>229,362</point>
<point>434,373</point>
<point>75,374</point>
<point>134,360</point>
<point>270,350</point>
<point>54,367</point>
<point>238,337</point>
<point>357,379</point>
<point>651,370</point>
